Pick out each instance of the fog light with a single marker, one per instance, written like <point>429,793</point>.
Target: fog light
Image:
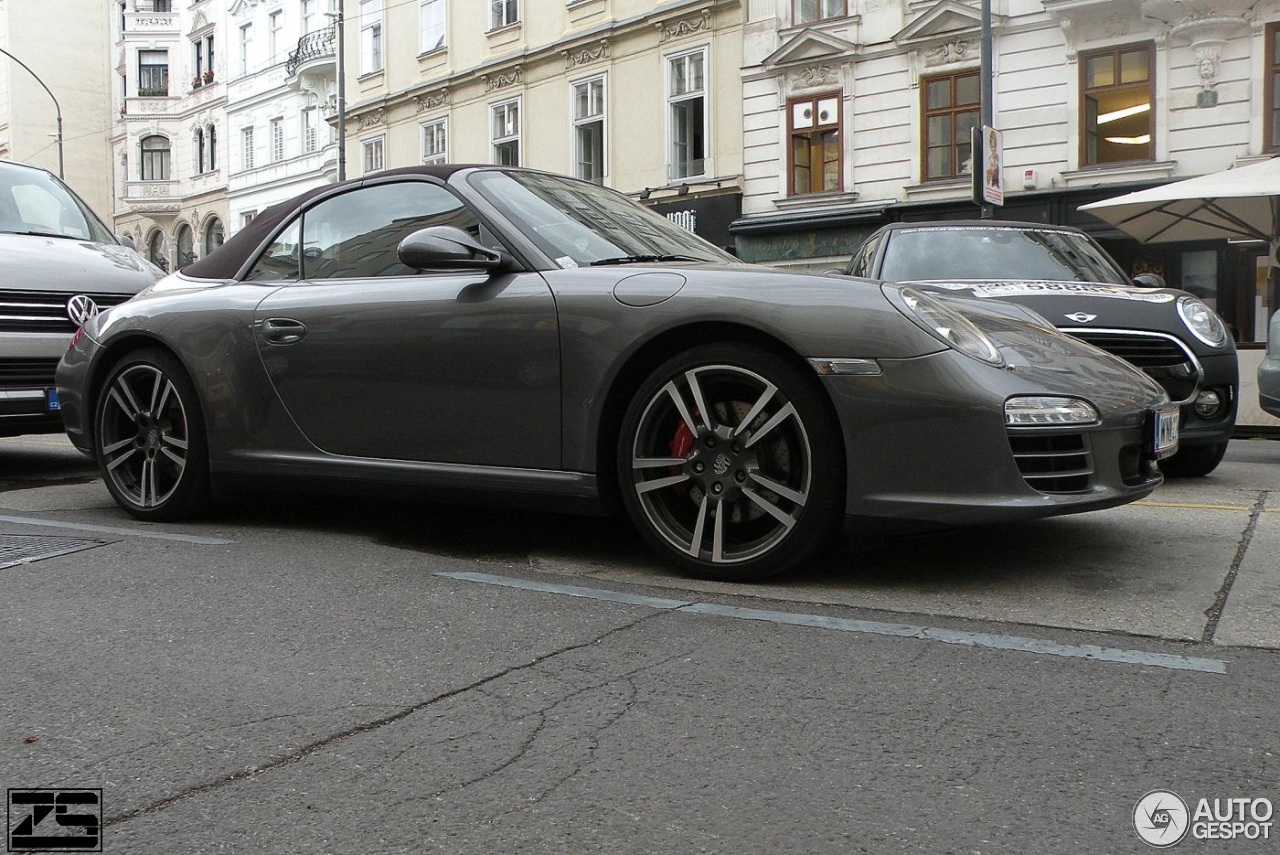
<point>1208,404</point>
<point>1032,412</point>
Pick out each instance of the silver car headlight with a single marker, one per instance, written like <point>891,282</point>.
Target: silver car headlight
<point>951,326</point>
<point>1202,321</point>
<point>1037,410</point>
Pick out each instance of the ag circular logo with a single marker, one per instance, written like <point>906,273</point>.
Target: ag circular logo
<point>1161,818</point>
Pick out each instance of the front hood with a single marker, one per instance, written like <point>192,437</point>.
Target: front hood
<point>33,263</point>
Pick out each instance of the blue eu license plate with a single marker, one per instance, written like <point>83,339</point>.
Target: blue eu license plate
<point>51,399</point>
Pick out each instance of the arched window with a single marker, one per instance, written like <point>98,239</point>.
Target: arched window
<point>212,235</point>
<point>213,148</point>
<point>199,150</point>
<point>155,250</point>
<point>155,158</point>
<point>186,248</point>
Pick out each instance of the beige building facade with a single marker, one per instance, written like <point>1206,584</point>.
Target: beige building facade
<point>74,67</point>
<point>641,96</point>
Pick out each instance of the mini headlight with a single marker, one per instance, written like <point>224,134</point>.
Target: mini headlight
<point>1037,411</point>
<point>951,326</point>
<point>1202,321</point>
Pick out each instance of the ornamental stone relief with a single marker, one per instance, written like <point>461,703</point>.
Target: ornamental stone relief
<point>373,119</point>
<point>432,100</point>
<point>686,27</point>
<point>814,75</point>
<point>502,80</point>
<point>585,55</point>
<point>947,52</point>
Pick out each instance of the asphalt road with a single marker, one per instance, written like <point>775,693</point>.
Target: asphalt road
<point>303,675</point>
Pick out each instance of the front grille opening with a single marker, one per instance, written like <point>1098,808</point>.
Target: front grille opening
<point>1053,463</point>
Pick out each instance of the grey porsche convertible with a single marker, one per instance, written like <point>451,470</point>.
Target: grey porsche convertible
<point>483,333</point>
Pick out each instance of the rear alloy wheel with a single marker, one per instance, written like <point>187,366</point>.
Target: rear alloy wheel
<point>150,439</point>
<point>730,463</point>
<point>1194,461</point>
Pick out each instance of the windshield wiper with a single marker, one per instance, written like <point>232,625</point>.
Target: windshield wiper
<point>44,234</point>
<point>639,259</point>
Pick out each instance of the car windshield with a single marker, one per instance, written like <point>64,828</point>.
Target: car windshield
<point>941,252</point>
<point>577,224</point>
<point>34,202</point>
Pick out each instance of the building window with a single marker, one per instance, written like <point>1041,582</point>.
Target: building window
<point>153,72</point>
<point>686,101</point>
<point>275,23</point>
<point>370,36</point>
<point>208,59</point>
<point>950,114</point>
<point>815,145</point>
<point>808,11</point>
<point>1273,87</point>
<point>431,25</point>
<point>213,235</point>
<point>246,39</point>
<point>199,58</point>
<point>435,139</point>
<point>588,129</point>
<point>199,151</point>
<point>373,154</point>
<point>310,129</point>
<point>246,147</point>
<point>186,246</point>
<point>506,133</point>
<point>1118,120</point>
<point>155,158</point>
<point>277,139</point>
<point>212,138</point>
<point>247,217</point>
<point>503,13</point>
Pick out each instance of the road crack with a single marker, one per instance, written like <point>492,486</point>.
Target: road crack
<point>1214,612</point>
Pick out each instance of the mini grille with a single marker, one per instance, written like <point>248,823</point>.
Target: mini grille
<point>1144,351</point>
<point>1053,463</point>
<point>27,372</point>
<point>44,311</point>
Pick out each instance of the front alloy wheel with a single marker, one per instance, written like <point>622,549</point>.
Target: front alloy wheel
<point>150,439</point>
<point>730,463</point>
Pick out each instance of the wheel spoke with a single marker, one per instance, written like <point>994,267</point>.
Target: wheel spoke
<point>123,396</point>
<point>765,397</point>
<point>783,491</point>
<point>695,546</point>
<point>643,487</point>
<point>181,461</point>
<point>681,406</point>
<point>773,510</point>
<point>695,390</point>
<point>159,401</point>
<point>778,418</point>
<point>717,536</point>
<point>112,464</point>
<point>656,462</point>
<point>147,484</point>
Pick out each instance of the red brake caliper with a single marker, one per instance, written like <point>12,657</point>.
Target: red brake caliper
<point>681,442</point>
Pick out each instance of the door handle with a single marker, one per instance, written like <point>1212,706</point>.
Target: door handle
<point>283,330</point>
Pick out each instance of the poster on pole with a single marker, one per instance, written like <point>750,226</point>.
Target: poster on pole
<point>992,151</point>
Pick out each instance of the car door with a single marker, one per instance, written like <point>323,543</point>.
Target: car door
<point>375,360</point>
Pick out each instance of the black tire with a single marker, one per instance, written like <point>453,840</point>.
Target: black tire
<point>746,494</point>
<point>150,440</point>
<point>1194,461</point>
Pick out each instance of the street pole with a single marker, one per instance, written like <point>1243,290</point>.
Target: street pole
<point>985,108</point>
<point>57,109</point>
<point>342,95</point>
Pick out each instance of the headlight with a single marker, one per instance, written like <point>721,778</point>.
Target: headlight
<point>1043,410</point>
<point>951,326</point>
<point>1202,321</point>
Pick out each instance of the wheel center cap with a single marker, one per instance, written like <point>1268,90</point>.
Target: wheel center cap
<point>153,438</point>
<point>722,464</point>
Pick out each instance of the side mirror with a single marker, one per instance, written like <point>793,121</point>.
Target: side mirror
<point>1148,280</point>
<point>446,248</point>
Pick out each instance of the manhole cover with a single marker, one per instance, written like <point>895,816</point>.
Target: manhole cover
<point>24,548</point>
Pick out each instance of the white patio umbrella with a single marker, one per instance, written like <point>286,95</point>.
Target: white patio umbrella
<point>1243,202</point>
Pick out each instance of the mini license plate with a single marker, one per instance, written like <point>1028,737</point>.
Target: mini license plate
<point>51,399</point>
<point>1165,438</point>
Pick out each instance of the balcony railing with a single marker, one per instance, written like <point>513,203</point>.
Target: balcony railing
<point>314,45</point>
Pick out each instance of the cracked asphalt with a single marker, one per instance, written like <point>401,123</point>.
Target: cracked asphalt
<point>297,675</point>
